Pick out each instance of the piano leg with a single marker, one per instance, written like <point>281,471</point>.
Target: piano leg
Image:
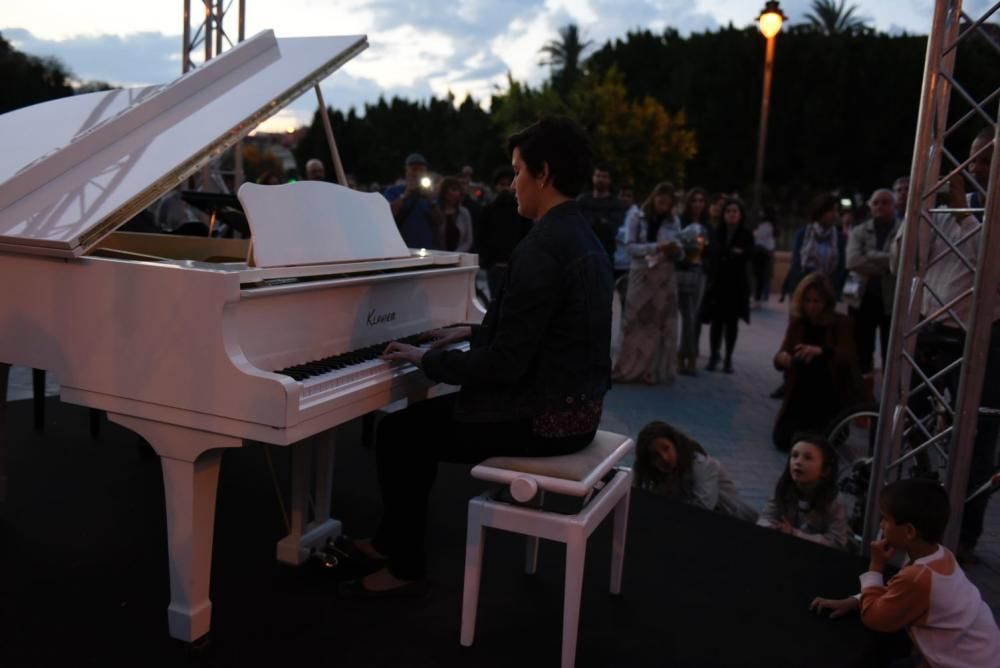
<point>305,533</point>
<point>4,374</point>
<point>190,461</point>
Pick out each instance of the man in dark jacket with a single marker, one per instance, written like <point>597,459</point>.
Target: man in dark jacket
<point>533,381</point>
<point>605,212</point>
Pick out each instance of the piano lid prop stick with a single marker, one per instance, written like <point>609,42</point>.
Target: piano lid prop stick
<point>337,166</point>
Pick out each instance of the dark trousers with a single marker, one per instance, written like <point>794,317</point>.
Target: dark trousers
<point>983,462</point>
<point>868,318</point>
<point>730,325</point>
<point>409,445</point>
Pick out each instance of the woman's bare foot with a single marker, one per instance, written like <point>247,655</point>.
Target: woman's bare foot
<point>383,580</point>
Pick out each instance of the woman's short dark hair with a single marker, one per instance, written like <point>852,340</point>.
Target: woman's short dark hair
<point>920,502</point>
<point>647,475</point>
<point>561,143</point>
<point>821,204</point>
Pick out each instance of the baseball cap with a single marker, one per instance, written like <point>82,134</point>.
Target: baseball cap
<point>415,159</point>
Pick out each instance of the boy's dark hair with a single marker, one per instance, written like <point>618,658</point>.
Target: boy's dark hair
<point>602,167</point>
<point>786,494</point>
<point>562,144</point>
<point>920,502</point>
<point>645,470</point>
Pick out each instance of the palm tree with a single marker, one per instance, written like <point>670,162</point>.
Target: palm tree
<point>563,56</point>
<point>832,18</point>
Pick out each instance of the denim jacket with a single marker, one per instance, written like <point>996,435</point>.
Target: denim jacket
<point>546,338</point>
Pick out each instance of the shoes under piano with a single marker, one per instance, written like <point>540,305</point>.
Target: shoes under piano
<point>199,344</point>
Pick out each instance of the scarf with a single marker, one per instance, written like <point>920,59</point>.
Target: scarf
<point>819,250</point>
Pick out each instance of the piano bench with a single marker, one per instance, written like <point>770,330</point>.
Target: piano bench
<point>591,477</point>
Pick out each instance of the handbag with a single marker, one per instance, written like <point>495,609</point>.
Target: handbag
<point>854,290</point>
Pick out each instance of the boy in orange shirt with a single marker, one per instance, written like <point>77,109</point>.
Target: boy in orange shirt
<point>943,612</point>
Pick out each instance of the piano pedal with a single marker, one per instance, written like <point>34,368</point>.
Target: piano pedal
<point>342,561</point>
<point>328,556</point>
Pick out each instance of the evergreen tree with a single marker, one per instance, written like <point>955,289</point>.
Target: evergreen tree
<point>28,79</point>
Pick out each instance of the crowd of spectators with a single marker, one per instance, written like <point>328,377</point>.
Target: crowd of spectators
<point>688,258</point>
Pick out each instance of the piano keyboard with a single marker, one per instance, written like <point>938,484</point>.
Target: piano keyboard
<point>355,365</point>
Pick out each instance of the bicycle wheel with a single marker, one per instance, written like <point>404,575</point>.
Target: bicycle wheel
<point>852,434</point>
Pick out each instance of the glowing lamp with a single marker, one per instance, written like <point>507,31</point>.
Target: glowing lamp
<point>770,19</point>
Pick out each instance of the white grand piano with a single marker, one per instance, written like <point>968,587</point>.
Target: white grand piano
<point>201,344</point>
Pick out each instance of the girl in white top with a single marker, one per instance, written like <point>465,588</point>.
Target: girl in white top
<point>671,463</point>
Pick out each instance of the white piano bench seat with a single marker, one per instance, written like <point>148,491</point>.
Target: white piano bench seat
<point>592,476</point>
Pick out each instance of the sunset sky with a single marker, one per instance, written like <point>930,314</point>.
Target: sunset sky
<point>417,49</point>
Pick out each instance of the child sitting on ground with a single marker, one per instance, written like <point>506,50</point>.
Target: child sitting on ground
<point>671,463</point>
<point>805,502</point>
<point>947,619</point>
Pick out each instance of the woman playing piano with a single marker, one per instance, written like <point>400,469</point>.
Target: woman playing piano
<point>534,377</point>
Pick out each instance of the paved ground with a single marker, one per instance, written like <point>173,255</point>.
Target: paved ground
<point>731,415</point>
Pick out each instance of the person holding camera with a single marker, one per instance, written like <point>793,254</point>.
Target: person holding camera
<point>412,204</point>
<point>819,361</point>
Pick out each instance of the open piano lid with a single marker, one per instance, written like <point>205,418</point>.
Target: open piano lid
<point>126,149</point>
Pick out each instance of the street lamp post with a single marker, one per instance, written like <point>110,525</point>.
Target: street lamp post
<point>769,21</point>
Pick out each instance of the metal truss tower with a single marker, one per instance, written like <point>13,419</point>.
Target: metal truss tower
<point>210,37</point>
<point>928,411</point>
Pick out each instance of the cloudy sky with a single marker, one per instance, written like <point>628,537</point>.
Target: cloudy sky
<point>418,48</point>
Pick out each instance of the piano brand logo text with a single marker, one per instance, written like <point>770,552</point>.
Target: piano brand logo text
<point>380,318</point>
